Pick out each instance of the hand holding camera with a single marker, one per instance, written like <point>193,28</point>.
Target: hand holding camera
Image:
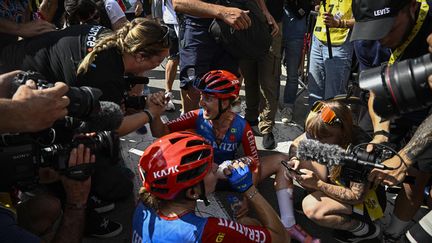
<point>389,177</point>
<point>28,107</point>
<point>77,191</point>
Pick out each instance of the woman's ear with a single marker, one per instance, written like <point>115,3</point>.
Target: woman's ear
<point>192,193</point>
<point>139,57</point>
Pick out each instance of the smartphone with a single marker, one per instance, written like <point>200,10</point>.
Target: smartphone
<point>285,163</point>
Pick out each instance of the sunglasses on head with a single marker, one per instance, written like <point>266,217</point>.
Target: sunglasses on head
<point>327,115</point>
<point>165,40</point>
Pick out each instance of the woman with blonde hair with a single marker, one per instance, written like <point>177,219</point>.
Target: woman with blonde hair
<point>86,55</point>
<point>336,202</point>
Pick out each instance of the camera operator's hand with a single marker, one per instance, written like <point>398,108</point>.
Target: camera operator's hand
<point>38,109</point>
<point>77,191</point>
<point>389,177</point>
<point>5,83</point>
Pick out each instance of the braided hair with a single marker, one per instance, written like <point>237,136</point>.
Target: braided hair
<point>139,36</point>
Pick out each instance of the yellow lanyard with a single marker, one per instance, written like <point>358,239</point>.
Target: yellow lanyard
<point>424,8</point>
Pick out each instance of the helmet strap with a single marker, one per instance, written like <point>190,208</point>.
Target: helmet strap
<point>221,110</point>
<point>202,195</point>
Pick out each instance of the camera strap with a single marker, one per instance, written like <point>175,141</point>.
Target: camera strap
<point>424,9</point>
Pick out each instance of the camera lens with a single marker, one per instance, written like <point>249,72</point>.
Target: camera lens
<point>84,101</point>
<point>399,88</point>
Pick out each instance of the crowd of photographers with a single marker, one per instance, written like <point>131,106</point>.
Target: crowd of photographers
<point>71,86</point>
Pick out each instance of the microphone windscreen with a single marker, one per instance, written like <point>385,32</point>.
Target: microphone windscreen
<point>109,118</point>
<point>329,154</point>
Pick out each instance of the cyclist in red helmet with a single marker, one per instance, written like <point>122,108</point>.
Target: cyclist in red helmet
<point>226,131</point>
<point>178,169</point>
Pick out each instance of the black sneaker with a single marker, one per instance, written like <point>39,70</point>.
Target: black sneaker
<point>105,228</point>
<point>268,141</point>
<point>99,205</point>
<point>347,236</point>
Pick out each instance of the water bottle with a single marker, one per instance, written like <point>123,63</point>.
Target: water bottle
<point>235,204</point>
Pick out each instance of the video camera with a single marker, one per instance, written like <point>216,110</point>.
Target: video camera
<point>399,88</point>
<point>353,163</point>
<point>356,163</point>
<point>22,154</point>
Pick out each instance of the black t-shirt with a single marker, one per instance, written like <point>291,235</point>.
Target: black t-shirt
<point>56,55</point>
<point>418,46</point>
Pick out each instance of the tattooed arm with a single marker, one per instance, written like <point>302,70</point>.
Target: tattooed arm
<point>421,140</point>
<point>353,195</point>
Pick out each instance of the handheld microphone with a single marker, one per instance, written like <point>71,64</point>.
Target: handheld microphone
<point>331,155</point>
<point>109,118</point>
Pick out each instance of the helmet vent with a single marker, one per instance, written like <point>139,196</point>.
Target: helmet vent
<point>175,140</point>
<point>161,181</point>
<point>192,157</point>
<point>191,174</point>
<point>192,143</point>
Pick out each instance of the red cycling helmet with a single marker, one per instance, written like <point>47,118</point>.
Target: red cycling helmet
<point>220,83</point>
<point>175,162</point>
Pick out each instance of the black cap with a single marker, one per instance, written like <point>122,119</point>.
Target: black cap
<point>374,18</point>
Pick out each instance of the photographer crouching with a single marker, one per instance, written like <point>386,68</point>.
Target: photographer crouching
<point>32,110</point>
<point>417,153</point>
<point>400,97</point>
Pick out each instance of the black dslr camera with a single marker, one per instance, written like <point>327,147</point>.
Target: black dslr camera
<point>357,163</point>
<point>22,154</point>
<point>84,101</point>
<point>399,88</point>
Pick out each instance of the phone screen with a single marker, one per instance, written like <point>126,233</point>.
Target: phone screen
<point>285,163</point>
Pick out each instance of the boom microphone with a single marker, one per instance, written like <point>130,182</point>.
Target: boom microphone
<point>109,118</point>
<point>331,155</point>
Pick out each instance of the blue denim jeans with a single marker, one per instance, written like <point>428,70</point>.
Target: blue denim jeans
<point>293,51</point>
<point>328,77</point>
<point>293,33</point>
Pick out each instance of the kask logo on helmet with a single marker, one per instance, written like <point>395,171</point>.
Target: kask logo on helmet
<point>165,172</point>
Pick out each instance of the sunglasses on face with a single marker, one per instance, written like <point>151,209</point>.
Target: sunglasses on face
<point>327,115</point>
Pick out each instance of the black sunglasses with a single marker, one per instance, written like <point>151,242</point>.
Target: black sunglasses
<point>165,40</point>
